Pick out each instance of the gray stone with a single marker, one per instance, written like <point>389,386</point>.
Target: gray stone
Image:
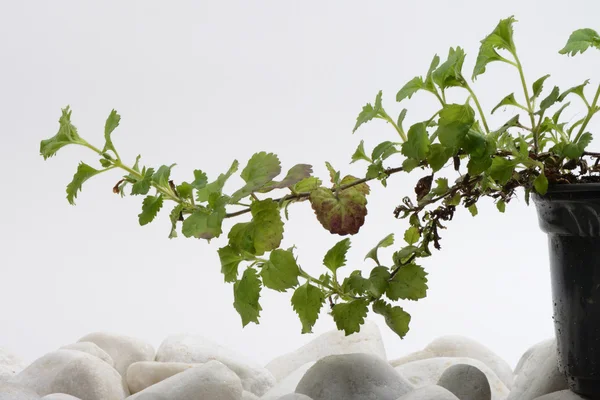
<point>10,391</point>
<point>212,380</point>
<point>287,384</point>
<point>295,396</point>
<point>75,373</point>
<point>539,374</point>
<point>93,349</point>
<point>60,396</point>
<point>10,365</point>
<point>143,374</point>
<point>428,372</point>
<point>353,377</point>
<point>466,382</point>
<point>249,396</point>
<point>525,358</point>
<point>429,393</point>
<point>124,350</point>
<point>562,395</point>
<point>368,340</point>
<point>198,349</point>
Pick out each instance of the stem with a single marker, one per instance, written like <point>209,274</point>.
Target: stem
<point>528,100</point>
<point>386,117</point>
<point>591,111</point>
<point>481,114</point>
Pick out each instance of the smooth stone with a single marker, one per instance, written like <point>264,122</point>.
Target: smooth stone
<point>124,350</point>
<point>143,374</point>
<point>460,346</point>
<point>562,395</point>
<point>527,355</point>
<point>198,349</point>
<point>427,372</point>
<point>287,384</point>
<point>353,377</point>
<point>60,396</point>
<point>73,372</point>
<point>539,374</point>
<point>212,380</point>
<point>294,396</point>
<point>10,365</point>
<point>466,382</point>
<point>10,391</point>
<point>93,349</point>
<point>249,396</point>
<point>429,393</point>
<point>368,340</point>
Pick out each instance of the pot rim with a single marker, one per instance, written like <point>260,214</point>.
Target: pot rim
<point>573,187</point>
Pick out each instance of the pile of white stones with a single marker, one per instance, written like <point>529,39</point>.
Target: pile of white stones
<point>104,366</point>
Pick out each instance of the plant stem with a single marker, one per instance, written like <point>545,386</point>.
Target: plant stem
<point>389,119</point>
<point>528,100</point>
<point>591,111</point>
<point>478,105</point>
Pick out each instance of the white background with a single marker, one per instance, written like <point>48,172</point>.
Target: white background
<point>200,83</point>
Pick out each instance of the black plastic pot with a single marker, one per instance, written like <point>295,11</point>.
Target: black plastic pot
<point>570,215</point>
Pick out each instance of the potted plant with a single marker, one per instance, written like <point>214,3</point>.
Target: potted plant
<point>534,150</point>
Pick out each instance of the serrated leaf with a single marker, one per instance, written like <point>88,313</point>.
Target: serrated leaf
<point>379,280</point>
<point>385,242</point>
<point>162,175</point>
<point>507,101</point>
<point>410,88</point>
<point>204,224</point>
<point>296,174</point>
<point>217,186</point>
<point>343,213</point>
<point>185,190</point>
<point>360,154</point>
<point>142,186</point>
<point>350,316</point>
<point>150,208</point>
<point>333,174</point>
<point>246,293</point>
<point>336,256</point>
<point>230,262</point>
<point>384,150</point>
<point>454,124</point>
<point>67,134</point>
<point>112,122</point>
<point>307,301</point>
<point>307,185</point>
<point>260,170</point>
<point>409,283</point>
<point>395,317</point>
<point>502,169</point>
<point>500,38</point>
<point>580,41</point>
<point>281,272</point>
<point>438,156</point>
<point>410,164</point>
<point>84,172</point>
<point>368,112</point>
<point>441,187</point>
<point>449,74</point>
<point>575,150</point>
<point>174,216</point>
<point>487,54</point>
<point>355,284</point>
<point>541,184</point>
<point>412,235</point>
<point>200,179</point>
<point>578,90</point>
<point>429,84</point>
<point>417,143</point>
<point>473,209</point>
<point>538,86</point>
<point>549,101</point>
<point>268,226</point>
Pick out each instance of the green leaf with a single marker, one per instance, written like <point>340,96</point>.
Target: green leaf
<point>473,209</point>
<point>575,150</point>
<point>142,186</point>
<point>412,235</point>
<point>343,213</point>
<point>449,74</point>
<point>307,301</point>
<point>333,174</point>
<point>355,284</point>
<point>185,190</point>
<point>385,242</point>
<point>336,256</point>
<point>417,143</point>
<point>500,38</point>
<point>268,226</point>
<point>401,117</point>
<point>578,90</point>
<point>84,172</point>
<point>150,208</point>
<point>360,154</point>
<point>477,165</point>
<point>438,156</point>
<point>368,112</point>
<point>409,283</point>
<point>200,180</point>
<point>441,188</point>
<point>307,185</point>
<point>409,164</point>
<point>395,317</point>
<point>410,88</point>
<point>174,216</point>
<point>246,293</point>
<point>507,101</point>
<point>281,272</point>
<point>67,134</point>
<point>541,184</point>
<point>454,124</point>
<point>557,114</point>
<point>502,169</point>
<point>350,316</point>
<point>111,124</point>
<point>379,281</point>
<point>549,101</point>
<point>580,41</point>
<point>203,224</point>
<point>217,186</point>
<point>161,177</point>
<point>538,86</point>
<point>429,84</point>
<point>384,150</point>
<point>296,174</point>
<point>260,170</point>
<point>501,206</point>
<point>230,261</point>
